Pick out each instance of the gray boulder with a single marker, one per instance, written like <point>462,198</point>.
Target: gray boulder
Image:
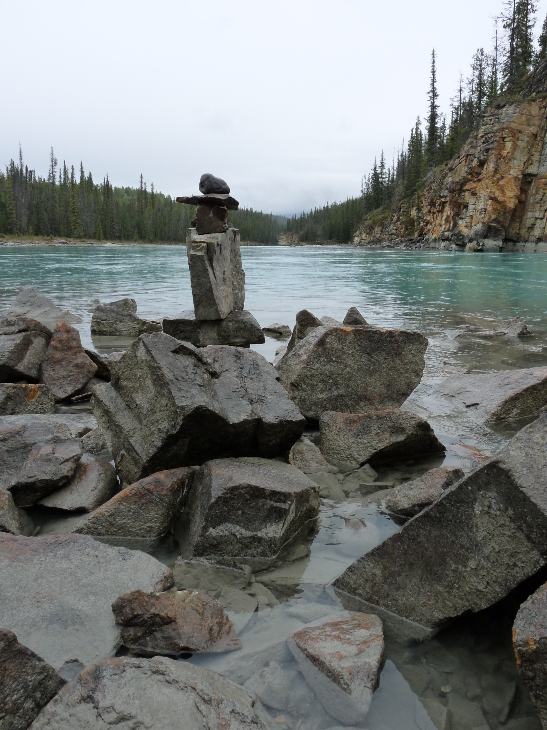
<point>30,303</point>
<point>239,329</point>
<point>57,593</point>
<point>349,440</point>
<point>509,395</point>
<point>354,318</point>
<point>210,184</point>
<point>352,369</point>
<point>21,355</point>
<point>94,442</point>
<point>216,273</point>
<point>211,219</point>
<point>245,510</point>
<point>142,513</point>
<point>12,519</point>
<point>200,574</point>
<point>92,484</point>
<point>277,331</point>
<point>103,368</point>
<point>20,399</point>
<point>16,325</point>
<point>306,322</point>
<point>308,458</point>
<point>66,369</point>
<point>530,644</point>
<point>410,498</point>
<point>27,683</point>
<point>157,693</point>
<point>191,406</point>
<point>120,319</point>
<point>469,549</point>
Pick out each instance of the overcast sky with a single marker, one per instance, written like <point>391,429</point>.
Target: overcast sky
<point>288,100</point>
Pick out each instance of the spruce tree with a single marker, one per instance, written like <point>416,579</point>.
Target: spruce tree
<point>542,42</point>
<point>433,116</point>
<point>518,21</point>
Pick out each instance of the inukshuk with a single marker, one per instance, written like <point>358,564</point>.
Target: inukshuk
<point>216,274</point>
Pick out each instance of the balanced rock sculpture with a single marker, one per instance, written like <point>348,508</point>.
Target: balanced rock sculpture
<point>216,275</point>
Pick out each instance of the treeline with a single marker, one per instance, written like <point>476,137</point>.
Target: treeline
<point>67,205</point>
<point>497,74</point>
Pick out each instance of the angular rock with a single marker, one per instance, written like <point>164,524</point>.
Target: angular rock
<point>306,322</point>
<point>352,369</point>
<point>19,434</point>
<point>57,593</point>
<point>278,331</point>
<point>94,442</point>
<point>20,399</point>
<point>354,318</point>
<point>216,273</point>
<point>508,395</point>
<point>340,658</point>
<point>200,574</point>
<point>238,329</point>
<point>47,467</point>
<point>410,498</point>
<point>211,219</point>
<point>120,319</point>
<point>16,325</point>
<point>330,322</point>
<point>192,406</point>
<point>308,458</point>
<point>530,643</point>
<point>210,184</point>
<point>92,484</point>
<point>159,693</point>
<point>210,199</point>
<point>66,369</point>
<point>12,519</point>
<point>174,622</point>
<point>142,513</point>
<point>21,356</point>
<point>483,537</point>
<point>349,440</point>
<point>30,303</point>
<point>246,510</point>
<point>103,368</point>
<point>27,683</point>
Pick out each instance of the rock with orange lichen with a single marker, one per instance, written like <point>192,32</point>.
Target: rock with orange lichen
<point>340,658</point>
<point>20,398</point>
<point>352,369</point>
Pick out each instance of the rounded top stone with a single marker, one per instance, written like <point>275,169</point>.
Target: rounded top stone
<point>210,184</point>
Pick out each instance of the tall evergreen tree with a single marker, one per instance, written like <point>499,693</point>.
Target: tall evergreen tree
<point>433,116</point>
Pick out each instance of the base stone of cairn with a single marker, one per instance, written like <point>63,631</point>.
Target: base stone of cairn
<point>216,274</point>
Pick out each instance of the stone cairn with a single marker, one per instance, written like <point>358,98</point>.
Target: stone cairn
<point>216,274</point>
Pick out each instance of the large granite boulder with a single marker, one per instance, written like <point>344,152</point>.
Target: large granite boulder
<point>349,440</point>
<point>19,434</point>
<point>530,643</point>
<point>142,513</point>
<point>30,303</point>
<point>508,395</point>
<point>159,693</point>
<point>246,510</point>
<point>92,484</point>
<point>216,273</point>
<point>239,329</point>
<point>410,498</point>
<point>57,593</point>
<point>352,369</point>
<point>27,683</point>
<point>120,319</point>
<point>20,399</point>
<point>483,537</point>
<point>340,657</point>
<point>12,519</point>
<point>171,405</point>
<point>66,369</point>
<point>173,622</point>
<point>22,350</point>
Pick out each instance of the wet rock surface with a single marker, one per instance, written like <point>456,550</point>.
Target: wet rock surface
<point>407,500</point>
<point>57,593</point>
<point>66,369</point>
<point>13,520</point>
<point>202,575</point>
<point>350,440</point>
<point>340,657</point>
<point>20,399</point>
<point>27,683</point>
<point>246,509</point>
<point>530,643</point>
<point>238,329</point>
<point>126,693</point>
<point>352,369</point>
<point>92,484</point>
<point>142,513</point>
<point>277,331</point>
<point>173,622</point>
<point>120,319</point>
<point>193,405</point>
<point>508,395</point>
<point>483,537</point>
<point>32,304</point>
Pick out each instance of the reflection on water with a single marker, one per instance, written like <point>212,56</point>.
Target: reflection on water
<point>464,678</point>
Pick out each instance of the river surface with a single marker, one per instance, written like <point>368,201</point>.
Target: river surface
<point>465,678</point>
